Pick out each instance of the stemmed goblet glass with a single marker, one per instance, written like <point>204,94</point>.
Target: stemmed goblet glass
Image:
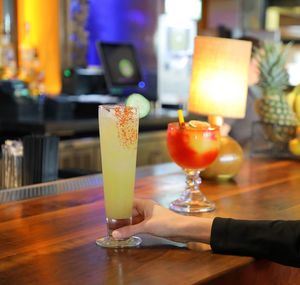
<point>193,146</point>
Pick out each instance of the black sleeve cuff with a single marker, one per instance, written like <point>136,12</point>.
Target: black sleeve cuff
<point>276,240</point>
<point>219,234</point>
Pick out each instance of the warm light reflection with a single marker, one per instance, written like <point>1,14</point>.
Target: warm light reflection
<point>219,77</point>
<point>38,27</point>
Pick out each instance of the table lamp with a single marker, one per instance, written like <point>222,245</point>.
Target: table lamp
<point>219,88</point>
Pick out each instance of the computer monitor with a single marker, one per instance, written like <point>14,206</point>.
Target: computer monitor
<point>121,68</point>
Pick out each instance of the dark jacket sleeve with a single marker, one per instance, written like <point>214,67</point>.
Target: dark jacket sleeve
<point>278,241</point>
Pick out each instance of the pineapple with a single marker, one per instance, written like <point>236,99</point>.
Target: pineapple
<point>279,119</point>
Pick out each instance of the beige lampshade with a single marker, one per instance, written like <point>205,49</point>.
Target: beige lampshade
<point>219,77</point>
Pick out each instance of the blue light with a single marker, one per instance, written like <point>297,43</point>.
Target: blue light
<point>107,21</point>
<point>142,84</point>
<point>117,21</point>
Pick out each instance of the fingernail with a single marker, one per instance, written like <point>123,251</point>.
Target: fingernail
<point>116,235</point>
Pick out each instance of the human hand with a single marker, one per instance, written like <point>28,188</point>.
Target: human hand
<point>151,218</point>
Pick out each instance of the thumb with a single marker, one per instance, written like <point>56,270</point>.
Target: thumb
<point>128,231</point>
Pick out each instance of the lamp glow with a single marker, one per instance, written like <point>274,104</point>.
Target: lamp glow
<point>219,88</point>
<point>219,77</point>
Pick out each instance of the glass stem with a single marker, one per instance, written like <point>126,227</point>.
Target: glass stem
<point>193,181</point>
<point>192,200</point>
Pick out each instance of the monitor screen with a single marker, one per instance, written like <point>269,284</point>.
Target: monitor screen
<point>120,65</point>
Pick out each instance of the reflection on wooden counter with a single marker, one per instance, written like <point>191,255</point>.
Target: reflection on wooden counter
<point>51,239</point>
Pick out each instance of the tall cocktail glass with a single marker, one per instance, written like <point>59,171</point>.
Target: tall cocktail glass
<point>193,146</point>
<point>118,128</point>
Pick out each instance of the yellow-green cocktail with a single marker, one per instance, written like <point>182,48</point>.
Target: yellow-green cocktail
<point>118,128</point>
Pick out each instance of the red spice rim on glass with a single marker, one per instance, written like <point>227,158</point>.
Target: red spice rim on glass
<point>109,106</point>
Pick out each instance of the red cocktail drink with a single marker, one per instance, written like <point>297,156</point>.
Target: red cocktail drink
<point>193,146</point>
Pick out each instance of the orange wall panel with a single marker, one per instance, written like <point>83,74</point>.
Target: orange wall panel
<point>38,27</point>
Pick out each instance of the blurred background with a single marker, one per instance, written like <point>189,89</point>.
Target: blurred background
<point>52,76</point>
<point>57,39</point>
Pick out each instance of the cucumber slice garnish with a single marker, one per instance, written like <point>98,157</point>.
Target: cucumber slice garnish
<point>140,102</point>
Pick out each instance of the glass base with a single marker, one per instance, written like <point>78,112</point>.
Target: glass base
<point>196,206</point>
<point>192,199</point>
<point>112,243</point>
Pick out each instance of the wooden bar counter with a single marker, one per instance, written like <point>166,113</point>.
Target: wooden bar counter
<point>51,239</point>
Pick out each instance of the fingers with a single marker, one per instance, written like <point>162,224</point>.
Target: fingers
<point>128,231</point>
<point>139,205</point>
<point>137,219</point>
<point>135,212</point>
<point>140,209</point>
<point>142,205</point>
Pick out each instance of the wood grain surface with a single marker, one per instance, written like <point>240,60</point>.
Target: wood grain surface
<point>51,240</point>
